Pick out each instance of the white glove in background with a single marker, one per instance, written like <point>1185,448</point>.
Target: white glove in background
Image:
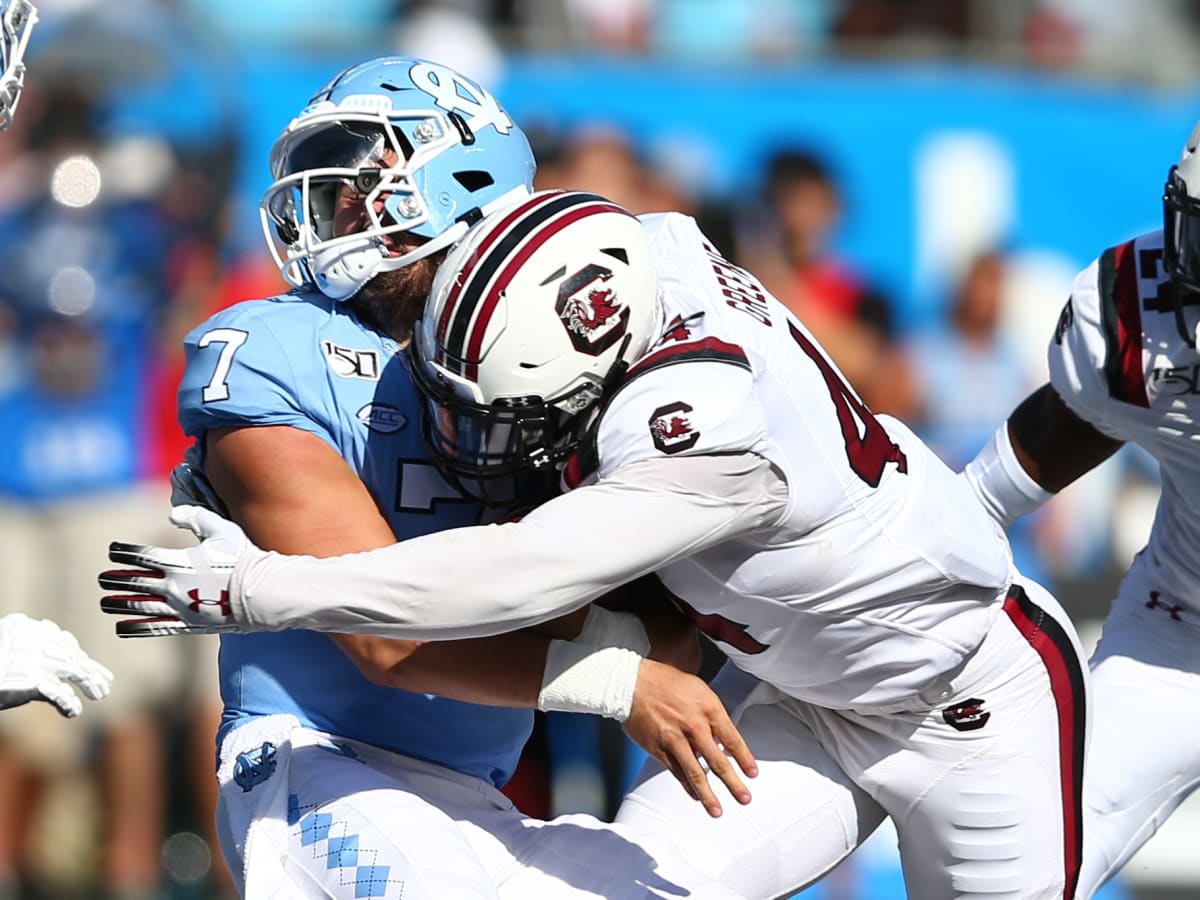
<point>40,661</point>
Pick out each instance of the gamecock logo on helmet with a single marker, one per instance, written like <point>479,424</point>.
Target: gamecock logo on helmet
<point>591,312</point>
<point>670,429</point>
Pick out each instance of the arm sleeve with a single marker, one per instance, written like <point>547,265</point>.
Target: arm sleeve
<point>1002,485</point>
<point>485,580</point>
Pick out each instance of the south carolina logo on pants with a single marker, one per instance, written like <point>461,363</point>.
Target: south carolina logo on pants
<point>966,716</point>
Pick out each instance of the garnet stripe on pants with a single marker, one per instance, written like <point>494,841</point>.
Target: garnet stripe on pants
<point>1048,639</point>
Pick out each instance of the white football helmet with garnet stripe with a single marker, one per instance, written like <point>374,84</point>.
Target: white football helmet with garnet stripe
<point>532,318</point>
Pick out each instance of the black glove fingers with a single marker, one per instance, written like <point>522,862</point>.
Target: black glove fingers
<point>131,580</point>
<point>153,627</point>
<point>124,605</point>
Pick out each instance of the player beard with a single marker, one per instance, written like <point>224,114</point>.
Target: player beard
<point>392,301</point>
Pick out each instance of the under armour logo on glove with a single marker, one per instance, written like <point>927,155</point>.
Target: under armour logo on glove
<point>198,601</point>
<point>177,591</point>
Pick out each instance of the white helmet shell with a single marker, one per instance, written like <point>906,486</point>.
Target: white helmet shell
<point>532,318</point>
<point>1189,162</point>
<point>541,298</point>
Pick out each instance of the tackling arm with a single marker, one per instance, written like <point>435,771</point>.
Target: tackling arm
<point>474,582</point>
<point>321,507</point>
<point>675,717</point>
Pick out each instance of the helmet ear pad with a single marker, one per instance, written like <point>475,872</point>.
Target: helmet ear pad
<point>533,318</point>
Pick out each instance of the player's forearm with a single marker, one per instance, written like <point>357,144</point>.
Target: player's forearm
<point>505,670</point>
<point>1053,443</point>
<point>485,580</point>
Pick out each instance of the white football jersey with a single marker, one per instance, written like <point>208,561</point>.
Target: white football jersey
<point>826,549</point>
<point>1119,361</point>
<point>884,572</point>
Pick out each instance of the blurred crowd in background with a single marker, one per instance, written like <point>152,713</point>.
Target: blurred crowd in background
<point>116,240</point>
<point>1105,37</point>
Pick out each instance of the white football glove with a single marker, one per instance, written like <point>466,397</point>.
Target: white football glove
<point>40,661</point>
<point>178,591</point>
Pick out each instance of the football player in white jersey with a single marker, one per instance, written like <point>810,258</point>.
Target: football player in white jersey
<point>38,659</point>
<point>1124,367</point>
<point>886,659</point>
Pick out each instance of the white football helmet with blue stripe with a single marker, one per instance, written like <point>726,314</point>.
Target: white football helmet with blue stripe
<point>428,150</point>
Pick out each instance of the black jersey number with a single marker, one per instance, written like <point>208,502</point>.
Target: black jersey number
<point>868,446</point>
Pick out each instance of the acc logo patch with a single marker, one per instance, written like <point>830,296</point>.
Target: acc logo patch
<point>591,313</point>
<point>347,362</point>
<point>382,418</point>
<point>671,430</point>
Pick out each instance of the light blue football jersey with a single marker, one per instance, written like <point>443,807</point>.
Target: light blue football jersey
<point>303,360</point>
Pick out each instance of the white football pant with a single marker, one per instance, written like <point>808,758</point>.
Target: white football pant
<point>987,810</point>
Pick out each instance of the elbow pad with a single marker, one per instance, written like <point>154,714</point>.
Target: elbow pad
<point>1002,485</point>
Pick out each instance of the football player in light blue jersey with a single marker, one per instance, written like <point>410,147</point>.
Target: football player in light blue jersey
<point>344,769</point>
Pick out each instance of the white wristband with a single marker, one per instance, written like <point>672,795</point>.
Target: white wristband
<point>588,679</point>
<point>610,628</point>
<point>1000,481</point>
